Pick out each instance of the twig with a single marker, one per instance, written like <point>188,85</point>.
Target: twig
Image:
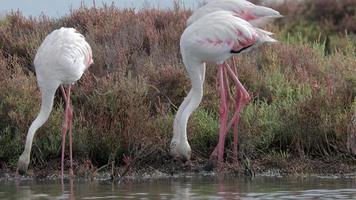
<point>102,167</point>
<point>158,91</point>
<point>141,154</point>
<point>127,169</point>
<point>102,94</point>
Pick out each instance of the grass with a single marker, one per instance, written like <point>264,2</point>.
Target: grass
<point>303,88</point>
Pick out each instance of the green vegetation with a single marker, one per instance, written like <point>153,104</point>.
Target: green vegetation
<point>303,88</point>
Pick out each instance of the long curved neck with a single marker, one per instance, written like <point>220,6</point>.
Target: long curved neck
<point>196,72</point>
<point>46,108</point>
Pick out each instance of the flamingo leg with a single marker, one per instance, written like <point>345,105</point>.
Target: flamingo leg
<point>238,106</point>
<point>235,126</point>
<point>219,82</point>
<point>70,143</point>
<point>68,116</point>
<point>242,99</point>
<point>64,130</point>
<point>70,120</point>
<point>223,115</point>
<point>228,99</point>
<point>64,93</point>
<point>245,97</point>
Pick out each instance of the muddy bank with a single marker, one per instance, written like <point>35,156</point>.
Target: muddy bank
<point>333,167</point>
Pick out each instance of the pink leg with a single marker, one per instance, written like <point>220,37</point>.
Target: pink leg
<point>246,96</point>
<point>235,123</point>
<point>64,93</point>
<point>64,130</point>
<point>242,98</point>
<point>223,115</point>
<point>225,83</point>
<point>70,142</point>
<point>70,119</point>
<point>239,105</point>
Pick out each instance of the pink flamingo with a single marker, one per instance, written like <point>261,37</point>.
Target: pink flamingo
<point>257,16</point>
<point>214,37</point>
<point>61,60</point>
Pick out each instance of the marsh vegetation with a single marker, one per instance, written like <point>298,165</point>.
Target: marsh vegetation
<point>303,90</point>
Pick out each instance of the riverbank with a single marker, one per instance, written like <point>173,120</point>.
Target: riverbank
<point>334,167</point>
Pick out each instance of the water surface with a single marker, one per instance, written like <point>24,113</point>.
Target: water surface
<point>189,187</point>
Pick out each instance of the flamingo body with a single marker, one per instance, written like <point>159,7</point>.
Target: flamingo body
<point>61,59</point>
<point>215,35</point>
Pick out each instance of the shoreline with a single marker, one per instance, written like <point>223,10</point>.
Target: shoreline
<point>303,168</point>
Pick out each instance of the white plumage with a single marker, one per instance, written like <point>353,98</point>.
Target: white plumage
<point>61,59</point>
<point>213,36</point>
<point>63,56</point>
<point>254,14</point>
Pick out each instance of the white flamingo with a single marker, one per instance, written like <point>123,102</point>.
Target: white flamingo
<point>61,60</point>
<point>257,16</point>
<point>214,37</point>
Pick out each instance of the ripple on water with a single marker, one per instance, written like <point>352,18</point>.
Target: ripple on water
<point>139,194</point>
<point>305,194</point>
<point>40,195</point>
<point>104,197</point>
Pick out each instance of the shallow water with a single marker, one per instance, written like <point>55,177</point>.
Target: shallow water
<point>189,187</point>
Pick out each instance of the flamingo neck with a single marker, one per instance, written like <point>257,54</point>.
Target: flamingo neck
<point>46,108</point>
<point>196,71</point>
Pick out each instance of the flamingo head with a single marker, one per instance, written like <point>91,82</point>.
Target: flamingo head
<point>180,150</point>
<point>22,164</point>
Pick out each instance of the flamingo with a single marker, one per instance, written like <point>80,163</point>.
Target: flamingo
<point>61,60</point>
<point>257,16</point>
<point>214,38</point>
